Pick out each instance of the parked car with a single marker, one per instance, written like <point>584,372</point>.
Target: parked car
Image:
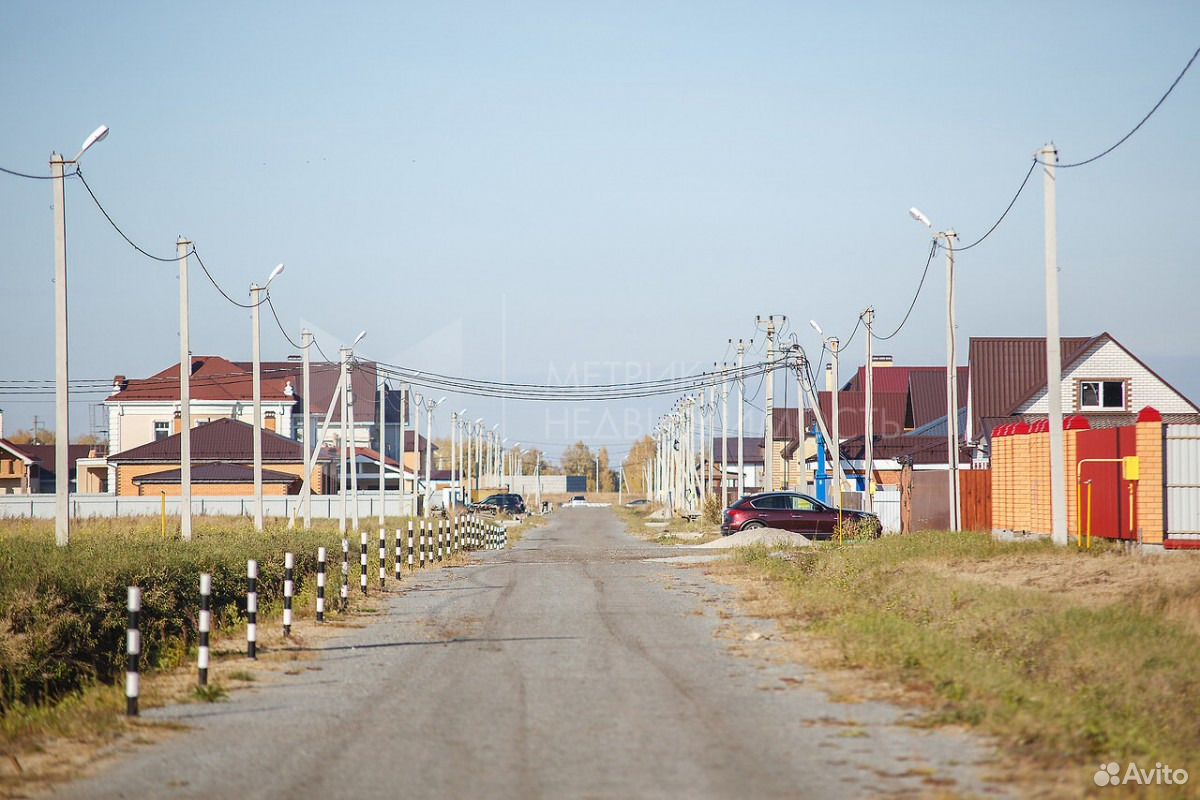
<point>637,503</point>
<point>791,511</point>
<point>502,503</point>
<point>577,500</point>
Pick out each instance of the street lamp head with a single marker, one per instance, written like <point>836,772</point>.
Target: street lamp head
<point>916,214</point>
<point>275,273</point>
<point>95,136</point>
<point>479,421</point>
<point>497,425</point>
<point>358,338</point>
<point>816,327</point>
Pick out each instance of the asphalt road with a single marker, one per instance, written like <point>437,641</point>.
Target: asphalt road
<point>569,666</point>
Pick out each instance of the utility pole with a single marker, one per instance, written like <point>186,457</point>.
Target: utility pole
<point>1048,155</point>
<point>343,444</point>
<point>350,398</point>
<point>306,338</point>
<point>62,417</point>
<point>835,444</point>
<point>597,473</point>
<point>741,448</point>
<point>952,384</point>
<point>769,424</point>
<point>429,406</point>
<point>725,433</point>
<point>382,450</point>
<point>404,389</point>
<point>182,246</point>
<point>869,422</point>
<point>256,381</point>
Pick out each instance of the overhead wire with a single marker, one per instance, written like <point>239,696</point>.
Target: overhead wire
<point>19,174</point>
<point>117,227</point>
<point>924,273</point>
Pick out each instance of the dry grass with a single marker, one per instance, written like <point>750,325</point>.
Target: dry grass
<point>1068,657</point>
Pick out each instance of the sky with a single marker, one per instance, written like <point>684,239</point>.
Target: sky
<point>578,192</point>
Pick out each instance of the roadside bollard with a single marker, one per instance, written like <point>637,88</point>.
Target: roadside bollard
<point>399,555</point>
<point>421,544</point>
<point>133,652</point>
<point>205,626</point>
<point>345,574</point>
<point>410,544</point>
<point>289,586</point>
<point>320,584</point>
<point>252,609</point>
<point>441,534</point>
<point>362,563</point>
<point>382,557</point>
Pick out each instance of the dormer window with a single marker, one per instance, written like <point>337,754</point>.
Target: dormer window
<point>1102,395</point>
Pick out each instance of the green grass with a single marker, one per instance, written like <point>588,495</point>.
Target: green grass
<point>1065,679</point>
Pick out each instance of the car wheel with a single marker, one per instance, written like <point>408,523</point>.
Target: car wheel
<point>749,526</point>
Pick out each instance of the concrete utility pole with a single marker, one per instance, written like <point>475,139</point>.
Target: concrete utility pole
<point>182,247</point>
<point>62,416</point>
<point>725,433</point>
<point>869,422</point>
<point>350,398</point>
<point>951,383</point>
<point>1048,155</point>
<point>343,443</point>
<point>741,448</point>
<point>769,423</point>
<point>430,405</point>
<point>256,381</point>
<point>835,435</point>
<point>382,450</point>
<point>306,339</point>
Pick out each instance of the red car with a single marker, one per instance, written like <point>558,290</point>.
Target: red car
<point>790,511</point>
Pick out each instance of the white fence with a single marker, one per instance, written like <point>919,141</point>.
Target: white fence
<point>887,506</point>
<point>324,506</point>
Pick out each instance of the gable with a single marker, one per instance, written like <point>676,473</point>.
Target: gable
<point>1107,359</point>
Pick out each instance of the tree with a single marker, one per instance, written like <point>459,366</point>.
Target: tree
<point>578,460</point>
<point>641,456</point>
<point>607,484</point>
<point>24,436</point>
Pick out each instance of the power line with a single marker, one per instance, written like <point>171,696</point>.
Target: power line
<point>1135,128</point>
<point>117,227</point>
<point>924,273</point>
<point>1011,203</point>
<point>37,177</point>
<point>282,330</point>
<point>224,293</point>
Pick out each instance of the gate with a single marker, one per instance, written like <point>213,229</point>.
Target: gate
<point>1112,501</point>
<point>1183,482</point>
<point>975,499</point>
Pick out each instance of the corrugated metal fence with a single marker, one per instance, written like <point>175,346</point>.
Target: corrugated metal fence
<point>1183,481</point>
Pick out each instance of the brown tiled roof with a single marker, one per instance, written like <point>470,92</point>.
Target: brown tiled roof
<point>219,440</point>
<point>927,394</point>
<point>920,449</point>
<point>45,455</point>
<point>888,412</point>
<point>374,456</point>
<point>21,451</point>
<point>754,449</point>
<point>1006,370</point>
<point>217,472</point>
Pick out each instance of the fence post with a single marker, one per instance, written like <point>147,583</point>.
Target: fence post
<point>421,543</point>
<point>345,573</point>
<point>251,609</point>
<point>362,563</point>
<point>289,586</point>
<point>399,555</point>
<point>410,544</point>
<point>382,556</point>
<point>441,534</point>
<point>205,625</point>
<point>133,650</point>
<point>320,584</point>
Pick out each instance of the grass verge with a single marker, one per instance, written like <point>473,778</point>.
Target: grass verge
<point>1069,657</point>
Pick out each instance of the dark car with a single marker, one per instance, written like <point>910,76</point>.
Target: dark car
<point>791,511</point>
<point>502,503</point>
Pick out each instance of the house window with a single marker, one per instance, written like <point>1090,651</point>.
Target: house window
<point>298,427</point>
<point>1102,395</point>
<point>162,429</point>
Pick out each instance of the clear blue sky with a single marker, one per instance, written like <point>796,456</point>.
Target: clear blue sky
<point>619,187</point>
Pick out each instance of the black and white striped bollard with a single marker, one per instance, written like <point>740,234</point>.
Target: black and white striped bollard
<point>382,557</point>
<point>345,574</point>
<point>251,609</point>
<point>362,563</point>
<point>421,544</point>
<point>399,555</point>
<point>133,652</point>
<point>320,584</point>
<point>205,626</point>
<point>410,544</point>
<point>289,586</point>
<point>441,534</point>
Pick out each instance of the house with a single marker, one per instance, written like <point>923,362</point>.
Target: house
<point>20,470</point>
<point>222,463</point>
<point>143,410</point>
<point>1102,382</point>
<point>752,462</point>
<point>30,468</point>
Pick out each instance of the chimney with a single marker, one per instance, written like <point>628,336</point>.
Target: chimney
<point>269,422</point>
<point>175,423</point>
<point>829,387</point>
<point>119,384</point>
<point>882,361</point>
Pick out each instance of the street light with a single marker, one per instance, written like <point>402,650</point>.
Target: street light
<point>430,405</point>
<point>62,421</point>
<point>948,237</point>
<point>255,301</point>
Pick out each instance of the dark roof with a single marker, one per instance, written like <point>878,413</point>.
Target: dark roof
<point>1006,370</point>
<point>927,395</point>
<point>785,423</point>
<point>938,426</point>
<point>888,412</point>
<point>373,455</point>
<point>219,440</point>
<point>754,449</point>
<point>920,449</point>
<point>218,472</point>
<point>21,451</point>
<point>408,442</point>
<point>45,456</point>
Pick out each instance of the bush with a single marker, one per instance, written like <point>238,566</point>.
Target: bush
<point>712,510</point>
